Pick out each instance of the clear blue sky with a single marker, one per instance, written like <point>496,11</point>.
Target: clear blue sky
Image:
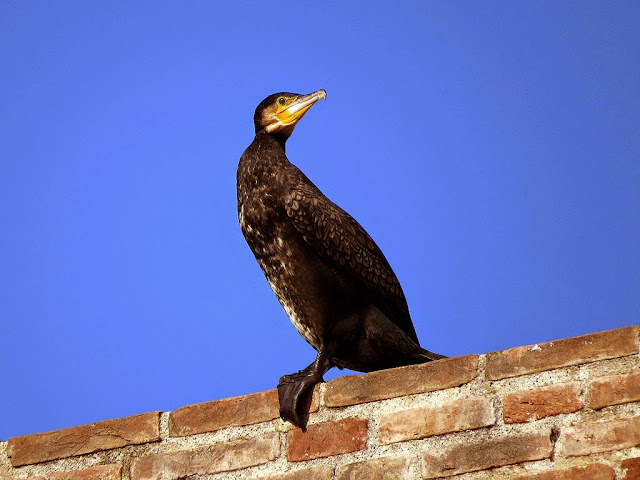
<point>492,150</point>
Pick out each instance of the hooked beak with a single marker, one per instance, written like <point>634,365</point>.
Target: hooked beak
<point>296,110</point>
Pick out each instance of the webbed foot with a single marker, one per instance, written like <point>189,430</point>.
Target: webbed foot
<point>295,392</point>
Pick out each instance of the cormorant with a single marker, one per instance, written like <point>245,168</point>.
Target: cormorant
<point>330,277</point>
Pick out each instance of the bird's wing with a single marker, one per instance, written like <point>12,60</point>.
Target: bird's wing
<point>345,246</point>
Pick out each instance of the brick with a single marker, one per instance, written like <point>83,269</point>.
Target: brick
<point>95,437</point>
<point>99,472</point>
<point>631,468</point>
<point>596,471</point>
<point>562,353</point>
<point>219,457</point>
<point>588,438</point>
<point>486,453</point>
<point>236,411</point>
<point>315,473</point>
<point>397,382</point>
<point>615,390</point>
<point>386,468</point>
<point>326,439</point>
<point>534,404</point>
<point>415,423</point>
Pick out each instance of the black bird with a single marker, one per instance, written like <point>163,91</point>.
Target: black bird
<point>330,277</point>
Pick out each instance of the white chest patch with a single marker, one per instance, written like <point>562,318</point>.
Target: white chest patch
<point>289,308</point>
<point>241,216</point>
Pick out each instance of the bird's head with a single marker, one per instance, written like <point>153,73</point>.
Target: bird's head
<point>279,113</point>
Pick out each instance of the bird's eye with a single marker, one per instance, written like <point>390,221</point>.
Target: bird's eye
<point>281,101</point>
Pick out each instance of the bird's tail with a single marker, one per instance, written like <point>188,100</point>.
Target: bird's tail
<point>429,356</point>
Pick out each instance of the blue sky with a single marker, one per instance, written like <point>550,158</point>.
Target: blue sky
<point>492,150</point>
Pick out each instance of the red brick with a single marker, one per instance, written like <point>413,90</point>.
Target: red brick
<point>385,468</point>
<point>219,457</point>
<point>534,404</point>
<point>99,472</point>
<point>562,353</point>
<point>95,437</point>
<point>315,473</point>
<point>474,455</point>
<point>415,423</point>
<point>397,382</point>
<point>631,468</point>
<point>326,439</point>
<point>587,438</point>
<point>615,390</point>
<point>596,471</point>
<point>236,411</point>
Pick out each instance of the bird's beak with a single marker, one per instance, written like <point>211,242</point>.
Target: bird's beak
<point>296,110</point>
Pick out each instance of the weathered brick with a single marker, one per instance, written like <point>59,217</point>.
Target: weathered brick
<point>615,390</point>
<point>631,468</point>
<point>562,353</point>
<point>105,435</point>
<point>426,377</point>
<point>314,473</point>
<point>219,457</point>
<point>534,404</point>
<point>326,439</point>
<point>486,453</point>
<point>415,423</point>
<point>235,411</point>
<point>99,472</point>
<point>587,438</point>
<point>385,468</point>
<point>596,471</point>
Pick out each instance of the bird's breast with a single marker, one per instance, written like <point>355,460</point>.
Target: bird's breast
<point>279,257</point>
<point>282,254</point>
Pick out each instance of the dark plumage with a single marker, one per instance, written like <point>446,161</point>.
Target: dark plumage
<point>331,278</point>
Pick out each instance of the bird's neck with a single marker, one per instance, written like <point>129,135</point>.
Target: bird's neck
<point>279,138</point>
<point>264,156</point>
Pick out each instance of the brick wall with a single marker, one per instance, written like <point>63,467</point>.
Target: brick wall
<point>562,410</point>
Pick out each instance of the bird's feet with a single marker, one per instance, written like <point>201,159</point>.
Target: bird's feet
<point>294,393</point>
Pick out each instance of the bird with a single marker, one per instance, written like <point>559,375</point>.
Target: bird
<point>330,277</point>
